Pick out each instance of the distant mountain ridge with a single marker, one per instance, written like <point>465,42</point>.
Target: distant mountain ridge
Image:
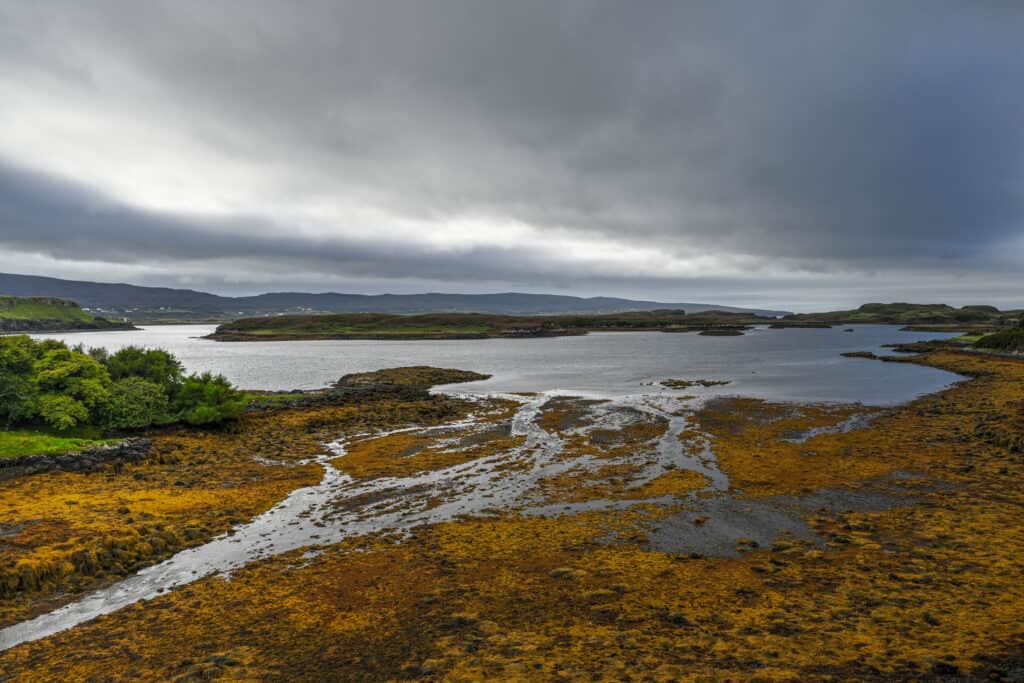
<point>149,303</point>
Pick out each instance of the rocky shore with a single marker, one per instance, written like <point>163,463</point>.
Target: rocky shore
<point>15,326</point>
<point>132,449</point>
<point>897,559</point>
<point>75,522</point>
<point>397,384</point>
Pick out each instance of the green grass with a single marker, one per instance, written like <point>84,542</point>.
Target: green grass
<point>28,314</point>
<point>968,338</point>
<point>17,443</point>
<point>32,308</point>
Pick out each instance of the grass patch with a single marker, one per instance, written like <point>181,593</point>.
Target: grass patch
<point>15,444</point>
<point>33,308</point>
<point>40,314</point>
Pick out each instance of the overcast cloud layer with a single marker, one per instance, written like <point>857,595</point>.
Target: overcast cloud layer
<point>793,154</point>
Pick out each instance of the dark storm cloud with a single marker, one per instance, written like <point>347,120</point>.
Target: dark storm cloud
<point>69,222</point>
<point>812,136</point>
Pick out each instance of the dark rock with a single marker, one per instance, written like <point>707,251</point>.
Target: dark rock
<point>678,619</point>
<point>133,449</point>
<point>945,669</point>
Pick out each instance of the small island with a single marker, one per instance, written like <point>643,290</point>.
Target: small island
<point>476,325</point>
<point>972,320</point>
<point>926,317</point>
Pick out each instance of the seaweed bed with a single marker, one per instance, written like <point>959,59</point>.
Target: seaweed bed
<point>879,553</point>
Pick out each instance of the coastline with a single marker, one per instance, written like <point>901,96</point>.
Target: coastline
<point>977,469</point>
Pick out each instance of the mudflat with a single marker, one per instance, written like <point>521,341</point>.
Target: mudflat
<point>525,537</point>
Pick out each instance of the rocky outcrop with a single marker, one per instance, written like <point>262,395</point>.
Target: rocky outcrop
<point>409,383</point>
<point>398,384</point>
<point>15,325</point>
<point>870,355</point>
<point>723,331</point>
<point>87,460</point>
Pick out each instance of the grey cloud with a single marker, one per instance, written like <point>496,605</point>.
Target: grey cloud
<point>834,136</point>
<point>67,221</point>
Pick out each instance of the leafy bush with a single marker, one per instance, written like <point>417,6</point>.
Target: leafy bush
<point>136,402</point>
<point>74,374</point>
<point>19,393</point>
<point>155,365</point>
<point>207,398</point>
<point>71,385</point>
<point>64,387</point>
<point>61,412</point>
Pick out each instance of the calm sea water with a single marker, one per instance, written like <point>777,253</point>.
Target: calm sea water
<point>789,364</point>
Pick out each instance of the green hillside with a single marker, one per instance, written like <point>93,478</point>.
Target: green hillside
<point>1009,340</point>
<point>41,314</point>
<point>923,315</point>
<point>40,308</point>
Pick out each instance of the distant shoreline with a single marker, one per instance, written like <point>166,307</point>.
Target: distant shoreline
<point>39,327</point>
<point>974,320</point>
<point>438,326</point>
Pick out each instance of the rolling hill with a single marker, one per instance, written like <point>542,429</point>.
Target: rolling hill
<point>48,314</point>
<point>164,304</point>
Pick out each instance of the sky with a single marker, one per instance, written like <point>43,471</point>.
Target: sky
<point>787,154</point>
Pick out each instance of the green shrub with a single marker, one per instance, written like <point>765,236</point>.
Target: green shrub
<point>19,394</point>
<point>62,412</point>
<point>65,387</point>
<point>72,386</point>
<point>74,374</point>
<point>207,398</point>
<point>134,403</point>
<point>155,365</point>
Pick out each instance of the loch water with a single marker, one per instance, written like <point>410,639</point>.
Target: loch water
<point>776,364</point>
